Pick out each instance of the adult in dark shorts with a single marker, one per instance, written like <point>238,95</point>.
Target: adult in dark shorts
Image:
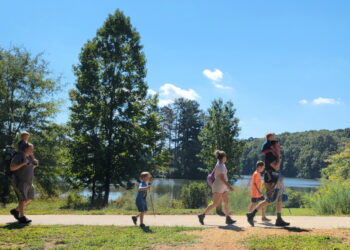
<point>22,166</point>
<point>271,180</point>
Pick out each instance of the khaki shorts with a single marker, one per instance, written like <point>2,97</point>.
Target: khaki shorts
<point>24,191</point>
<point>270,189</point>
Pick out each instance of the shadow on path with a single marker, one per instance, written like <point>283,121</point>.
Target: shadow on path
<point>231,227</point>
<point>268,225</point>
<point>15,225</point>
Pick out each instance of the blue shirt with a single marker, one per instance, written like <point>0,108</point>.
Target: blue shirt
<point>142,194</point>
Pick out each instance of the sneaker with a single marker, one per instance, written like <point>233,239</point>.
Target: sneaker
<point>24,220</point>
<point>265,219</point>
<point>142,225</point>
<point>201,218</point>
<point>229,221</point>
<point>250,218</point>
<point>281,223</point>
<point>134,219</point>
<point>15,213</point>
<point>220,213</point>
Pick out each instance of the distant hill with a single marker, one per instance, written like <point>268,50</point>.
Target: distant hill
<point>304,153</point>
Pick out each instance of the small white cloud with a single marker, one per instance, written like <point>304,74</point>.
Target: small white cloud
<point>151,92</point>
<point>215,75</point>
<point>220,86</point>
<point>322,100</point>
<point>169,92</point>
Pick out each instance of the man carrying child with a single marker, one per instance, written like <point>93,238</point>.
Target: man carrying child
<point>271,150</point>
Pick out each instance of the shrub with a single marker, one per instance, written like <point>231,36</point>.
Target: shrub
<point>74,200</point>
<point>332,198</point>
<point>296,199</point>
<point>165,202</point>
<point>194,195</point>
<point>126,201</point>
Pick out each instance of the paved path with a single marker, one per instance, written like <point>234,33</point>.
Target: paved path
<point>326,222</point>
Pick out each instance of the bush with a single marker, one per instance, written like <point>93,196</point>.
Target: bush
<point>296,199</point>
<point>166,202</point>
<point>194,195</point>
<point>74,200</point>
<point>126,201</point>
<point>332,198</point>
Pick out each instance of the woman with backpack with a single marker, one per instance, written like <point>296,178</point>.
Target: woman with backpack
<point>220,187</point>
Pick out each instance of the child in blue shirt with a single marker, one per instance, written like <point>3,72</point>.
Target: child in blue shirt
<point>267,147</point>
<point>141,202</point>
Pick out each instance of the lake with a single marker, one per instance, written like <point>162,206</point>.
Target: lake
<point>173,186</point>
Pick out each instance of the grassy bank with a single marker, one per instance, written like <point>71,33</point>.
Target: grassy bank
<point>57,206</point>
<point>295,242</point>
<point>90,237</point>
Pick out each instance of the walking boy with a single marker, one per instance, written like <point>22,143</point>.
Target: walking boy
<point>256,194</point>
<point>141,202</point>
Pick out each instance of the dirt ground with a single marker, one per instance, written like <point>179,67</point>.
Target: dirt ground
<point>230,237</point>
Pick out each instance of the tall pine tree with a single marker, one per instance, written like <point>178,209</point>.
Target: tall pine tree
<point>115,124</point>
<point>221,132</point>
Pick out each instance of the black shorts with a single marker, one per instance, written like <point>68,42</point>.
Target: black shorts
<point>255,200</point>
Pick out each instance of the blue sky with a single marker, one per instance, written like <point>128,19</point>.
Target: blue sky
<point>284,64</point>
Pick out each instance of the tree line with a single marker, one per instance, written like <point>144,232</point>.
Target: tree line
<point>305,154</point>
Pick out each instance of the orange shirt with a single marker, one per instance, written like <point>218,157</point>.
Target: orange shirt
<point>256,182</point>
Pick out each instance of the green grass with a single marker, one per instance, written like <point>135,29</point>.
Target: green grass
<point>54,206</point>
<point>295,242</point>
<point>90,237</point>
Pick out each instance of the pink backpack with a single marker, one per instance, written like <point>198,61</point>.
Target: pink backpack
<point>211,177</point>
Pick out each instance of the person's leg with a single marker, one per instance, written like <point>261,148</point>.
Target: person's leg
<point>251,207</point>
<point>217,197</point>
<point>226,204</point>
<point>216,201</point>
<point>279,221</point>
<point>141,217</point>
<point>229,221</point>
<point>21,208</point>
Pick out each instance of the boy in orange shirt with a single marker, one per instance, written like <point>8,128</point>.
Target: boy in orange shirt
<point>256,194</point>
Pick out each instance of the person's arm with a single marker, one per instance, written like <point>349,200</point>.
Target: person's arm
<point>15,167</point>
<point>222,177</point>
<point>257,189</point>
<point>276,165</point>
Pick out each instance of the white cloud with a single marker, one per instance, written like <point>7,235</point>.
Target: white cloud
<point>215,75</point>
<point>220,86</point>
<point>322,100</point>
<point>151,92</point>
<point>169,92</point>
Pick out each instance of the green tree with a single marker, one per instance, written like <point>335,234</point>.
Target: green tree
<point>115,124</point>
<point>27,99</point>
<point>189,121</point>
<point>221,132</point>
<point>51,147</point>
<point>339,168</point>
